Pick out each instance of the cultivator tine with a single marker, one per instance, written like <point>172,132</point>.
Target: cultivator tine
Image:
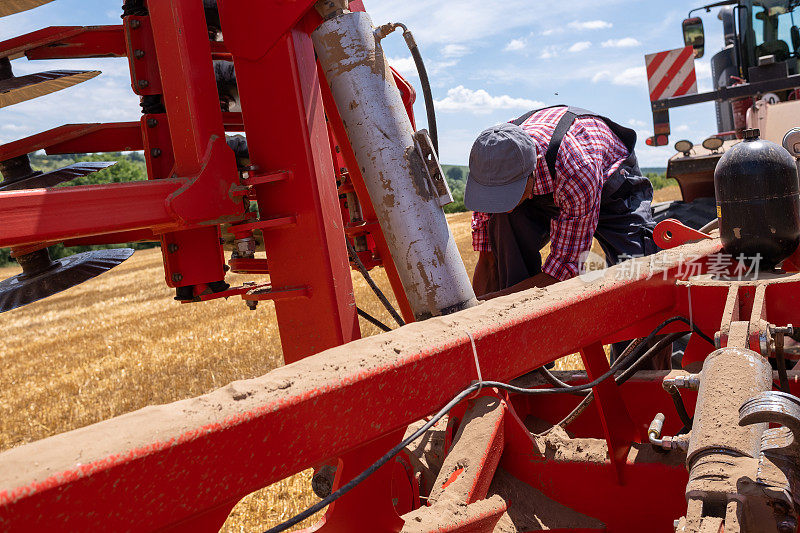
<point>42,277</point>
<point>56,177</point>
<point>10,7</point>
<point>19,89</point>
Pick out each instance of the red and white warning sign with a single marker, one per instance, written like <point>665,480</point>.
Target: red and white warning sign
<point>671,73</point>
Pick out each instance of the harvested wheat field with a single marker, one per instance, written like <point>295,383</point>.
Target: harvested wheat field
<point>120,342</point>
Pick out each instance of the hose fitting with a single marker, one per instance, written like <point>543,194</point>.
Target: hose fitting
<point>681,442</point>
<point>683,381</point>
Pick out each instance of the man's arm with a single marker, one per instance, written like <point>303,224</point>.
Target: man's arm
<point>485,280</point>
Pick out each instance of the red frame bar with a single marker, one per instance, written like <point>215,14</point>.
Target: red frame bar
<point>54,215</point>
<point>78,138</point>
<point>286,130</point>
<point>177,465</point>
<point>67,42</point>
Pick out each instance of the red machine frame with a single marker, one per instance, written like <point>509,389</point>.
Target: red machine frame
<point>200,456</point>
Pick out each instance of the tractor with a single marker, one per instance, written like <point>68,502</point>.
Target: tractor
<point>755,85</point>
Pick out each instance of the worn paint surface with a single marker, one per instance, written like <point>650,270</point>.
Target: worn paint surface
<point>382,137</point>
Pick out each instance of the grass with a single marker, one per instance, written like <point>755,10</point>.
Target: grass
<point>119,343</point>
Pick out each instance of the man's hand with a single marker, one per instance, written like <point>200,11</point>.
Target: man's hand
<point>485,279</point>
<point>540,280</point>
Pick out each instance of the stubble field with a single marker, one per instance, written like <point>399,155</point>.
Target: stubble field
<point>120,342</point>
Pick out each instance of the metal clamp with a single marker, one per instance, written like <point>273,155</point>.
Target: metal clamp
<point>433,170</point>
<point>779,466</point>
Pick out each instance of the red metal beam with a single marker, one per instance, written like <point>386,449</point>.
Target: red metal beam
<point>162,465</point>
<point>53,215</point>
<point>286,131</point>
<point>67,42</point>
<point>78,138</point>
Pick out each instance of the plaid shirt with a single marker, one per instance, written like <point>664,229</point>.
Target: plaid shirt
<point>590,153</point>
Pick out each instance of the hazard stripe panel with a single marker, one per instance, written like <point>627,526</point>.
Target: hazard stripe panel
<point>671,73</point>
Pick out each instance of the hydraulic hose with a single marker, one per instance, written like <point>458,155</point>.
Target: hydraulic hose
<point>372,320</point>
<point>430,110</point>
<point>474,387</point>
<point>374,286</point>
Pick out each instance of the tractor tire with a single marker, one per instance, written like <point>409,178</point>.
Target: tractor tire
<point>694,214</point>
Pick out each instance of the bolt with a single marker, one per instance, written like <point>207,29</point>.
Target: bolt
<point>155,152</point>
<point>152,123</point>
<point>177,277</point>
<point>252,304</point>
<point>172,248</point>
<point>144,83</point>
<point>789,525</point>
<point>135,24</point>
<point>138,54</point>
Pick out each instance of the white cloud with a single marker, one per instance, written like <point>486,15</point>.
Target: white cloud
<point>625,42</point>
<point>637,123</point>
<point>549,52</point>
<point>403,65</point>
<point>633,76</point>
<point>471,21</point>
<point>481,102</point>
<point>580,46</point>
<point>589,25</point>
<point>455,50</point>
<point>515,45</point>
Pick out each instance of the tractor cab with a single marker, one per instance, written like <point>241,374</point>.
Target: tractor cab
<point>756,85</point>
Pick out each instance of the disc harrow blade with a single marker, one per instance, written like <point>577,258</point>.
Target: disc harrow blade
<point>56,177</point>
<point>10,7</point>
<point>65,273</point>
<point>22,88</point>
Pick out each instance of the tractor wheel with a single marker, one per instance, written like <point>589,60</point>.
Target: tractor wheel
<point>694,214</point>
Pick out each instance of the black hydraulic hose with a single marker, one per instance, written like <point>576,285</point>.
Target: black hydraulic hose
<point>350,485</point>
<point>680,408</point>
<point>623,377</point>
<point>430,110</point>
<point>433,130</point>
<point>372,320</point>
<point>378,292</point>
<point>555,382</point>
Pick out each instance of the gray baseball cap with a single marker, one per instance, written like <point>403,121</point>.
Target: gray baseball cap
<point>502,159</point>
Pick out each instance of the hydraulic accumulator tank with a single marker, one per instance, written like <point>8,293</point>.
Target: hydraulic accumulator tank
<point>758,201</point>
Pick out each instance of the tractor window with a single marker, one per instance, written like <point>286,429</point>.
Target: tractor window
<point>772,25</point>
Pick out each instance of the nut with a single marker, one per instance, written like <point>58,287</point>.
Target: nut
<point>176,277</point>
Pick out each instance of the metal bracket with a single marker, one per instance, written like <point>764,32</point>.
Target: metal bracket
<point>433,169</point>
<point>671,233</point>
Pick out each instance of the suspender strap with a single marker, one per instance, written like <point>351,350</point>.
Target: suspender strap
<point>521,120</point>
<point>626,135</point>
<point>561,130</point>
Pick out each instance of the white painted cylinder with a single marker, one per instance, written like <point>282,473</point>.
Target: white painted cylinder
<point>407,206</point>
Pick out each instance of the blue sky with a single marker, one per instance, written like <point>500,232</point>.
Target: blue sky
<point>488,61</point>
